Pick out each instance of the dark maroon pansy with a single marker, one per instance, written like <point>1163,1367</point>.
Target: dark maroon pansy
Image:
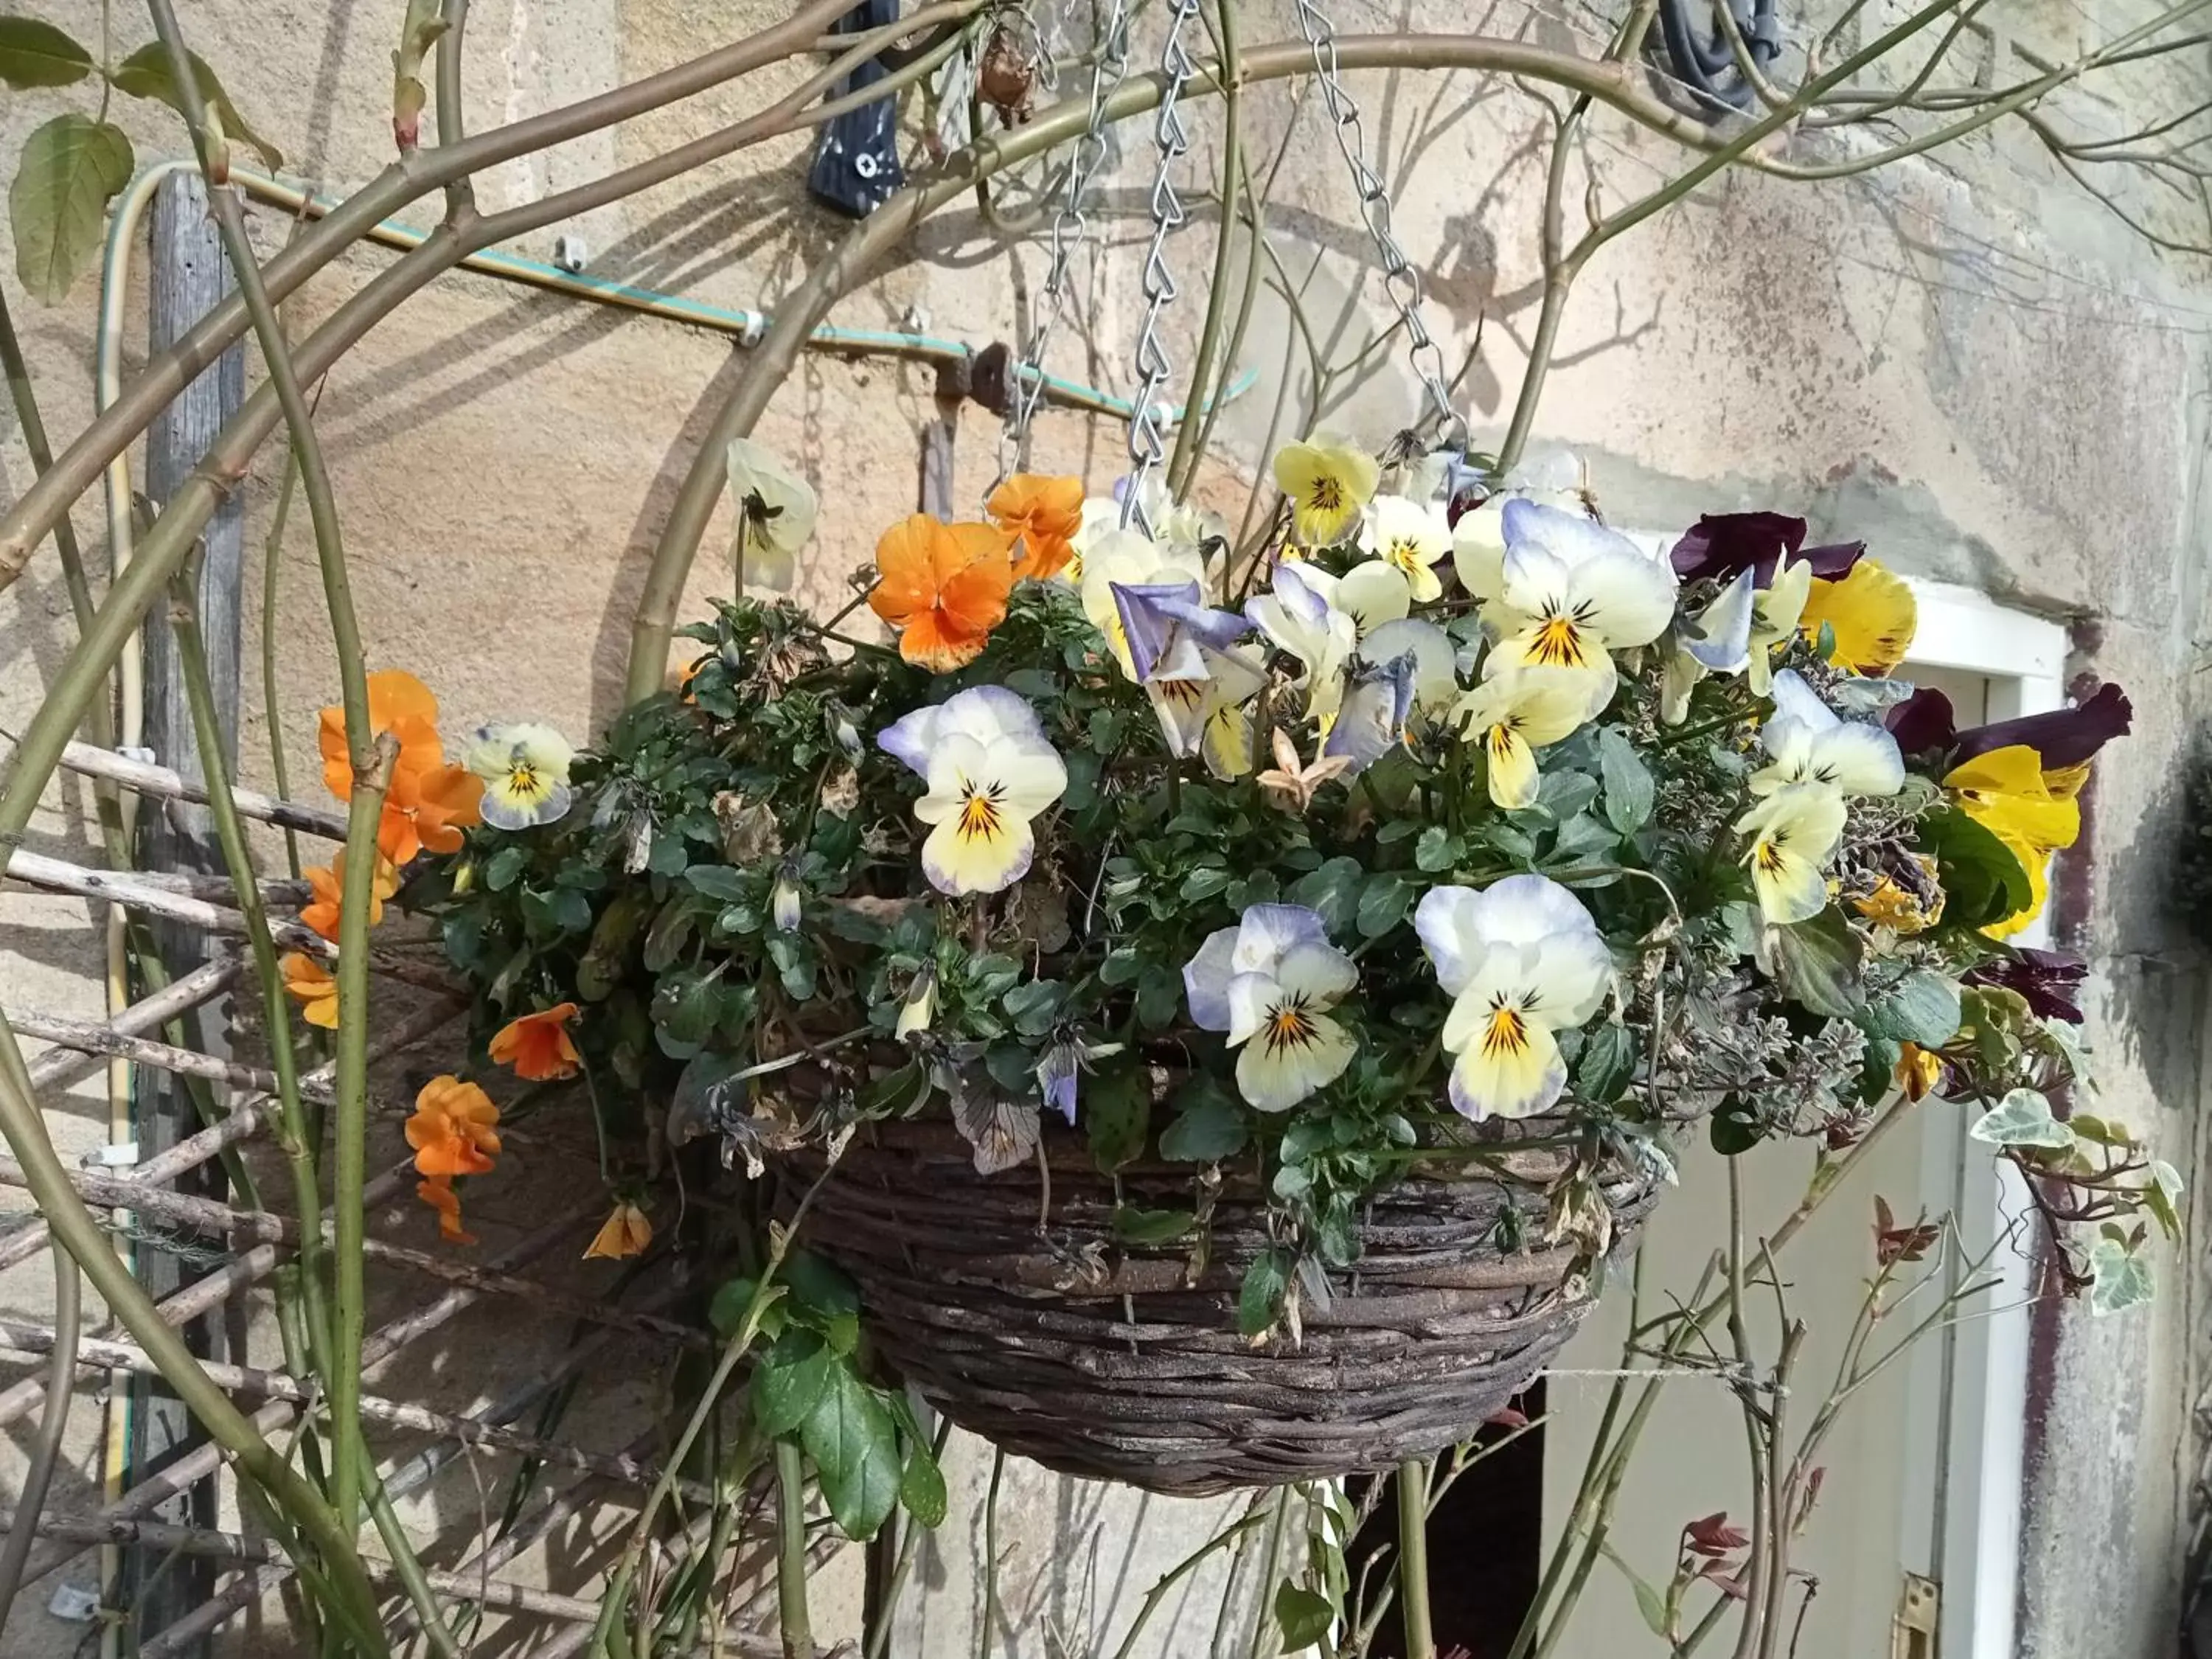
<point>1923,723</point>
<point>2064,736</point>
<point>2049,979</point>
<point>1722,544</point>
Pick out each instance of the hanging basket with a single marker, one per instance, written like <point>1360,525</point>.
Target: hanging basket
<point>1098,1357</point>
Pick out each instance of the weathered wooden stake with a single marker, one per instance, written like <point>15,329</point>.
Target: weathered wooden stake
<point>187,277</point>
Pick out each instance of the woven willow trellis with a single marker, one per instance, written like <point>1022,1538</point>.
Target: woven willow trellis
<point>589,1471</point>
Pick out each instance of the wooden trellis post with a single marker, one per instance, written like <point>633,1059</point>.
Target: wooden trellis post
<point>187,277</point>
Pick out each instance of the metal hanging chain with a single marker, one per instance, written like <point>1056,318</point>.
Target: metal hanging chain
<point>1069,228</point>
<point>1399,280</point>
<point>1147,419</point>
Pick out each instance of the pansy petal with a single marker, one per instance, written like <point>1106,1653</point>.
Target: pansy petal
<point>1859,758</point>
<point>1447,919</point>
<point>1321,974</point>
<point>1205,979</point>
<point>1287,1064</point>
<point>964,856</point>
<point>1795,699</point>
<point>1721,643</point>
<point>1511,1070</point>
<point>1626,599</point>
<point>1523,908</point>
<point>2060,737</point>
<point>1512,764</point>
<point>1268,933</point>
<point>1373,593</point>
<point>1564,977</point>
<point>1435,663</point>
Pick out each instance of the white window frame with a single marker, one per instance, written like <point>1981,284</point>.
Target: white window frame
<point>1966,1416</point>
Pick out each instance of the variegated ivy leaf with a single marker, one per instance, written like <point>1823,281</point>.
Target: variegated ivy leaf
<point>2122,1277</point>
<point>2022,1118</point>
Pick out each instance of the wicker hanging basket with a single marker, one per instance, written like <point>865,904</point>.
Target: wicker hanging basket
<point>1100,1359</point>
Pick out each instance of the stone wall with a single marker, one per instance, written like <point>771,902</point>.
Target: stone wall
<point>1962,359</point>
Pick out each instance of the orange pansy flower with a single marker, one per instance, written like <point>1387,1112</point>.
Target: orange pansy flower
<point>328,885</point>
<point>452,1130</point>
<point>311,983</point>
<point>1043,513</point>
<point>427,803</point>
<point>538,1045</point>
<point>943,586</point>
<point>438,1193</point>
<point>625,1233</point>
<point>397,703</point>
<point>440,805</point>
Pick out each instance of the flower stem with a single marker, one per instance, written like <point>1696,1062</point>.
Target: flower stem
<point>797,1630</point>
<point>1413,1557</point>
<point>1185,460</point>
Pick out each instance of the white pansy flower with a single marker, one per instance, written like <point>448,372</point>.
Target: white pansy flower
<point>1574,592</point>
<point>990,770</point>
<point>525,769</point>
<point>1522,961</point>
<point>1792,833</point>
<point>1268,983</point>
<point>1411,535</point>
<point>775,514</point>
<point>1809,743</point>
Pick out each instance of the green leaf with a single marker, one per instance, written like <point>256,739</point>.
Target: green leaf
<point>69,170</point>
<point>35,54</point>
<point>1117,1113</point>
<point>823,1298</point>
<point>1152,1226</point>
<point>1628,787</point>
<point>1607,1062</point>
<point>1817,962</point>
<point>2022,1118</point>
<point>855,1445</point>
<point>1982,881</point>
<point>718,881</point>
<point>1582,834</point>
<point>726,1311</point>
<point>1383,904</point>
<point>1332,891</point>
<point>1653,1607</point>
<point>1735,1128</point>
<point>685,1009</point>
<point>503,866</point>
<point>790,1382</point>
<point>1160,997</point>
<point>921,1488</point>
<point>145,74</point>
<point>1438,850</point>
<point>1210,1124</point>
<point>1302,1615</point>
<point>1922,1007</point>
<point>1260,1303</point>
<point>2162,1195</point>
<point>2122,1277</point>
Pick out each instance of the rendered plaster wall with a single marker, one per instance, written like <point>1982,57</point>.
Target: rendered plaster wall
<point>1965,361</point>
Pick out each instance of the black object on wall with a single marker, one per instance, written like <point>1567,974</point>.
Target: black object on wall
<point>856,164</point>
<point>1705,62</point>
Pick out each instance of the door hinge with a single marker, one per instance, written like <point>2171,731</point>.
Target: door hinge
<point>1913,1630</point>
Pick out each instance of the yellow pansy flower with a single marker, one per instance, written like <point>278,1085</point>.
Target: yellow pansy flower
<point>1873,613</point>
<point>1329,482</point>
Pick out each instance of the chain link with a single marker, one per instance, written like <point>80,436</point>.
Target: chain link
<point>1069,228</point>
<point>1399,280</point>
<point>1147,419</point>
